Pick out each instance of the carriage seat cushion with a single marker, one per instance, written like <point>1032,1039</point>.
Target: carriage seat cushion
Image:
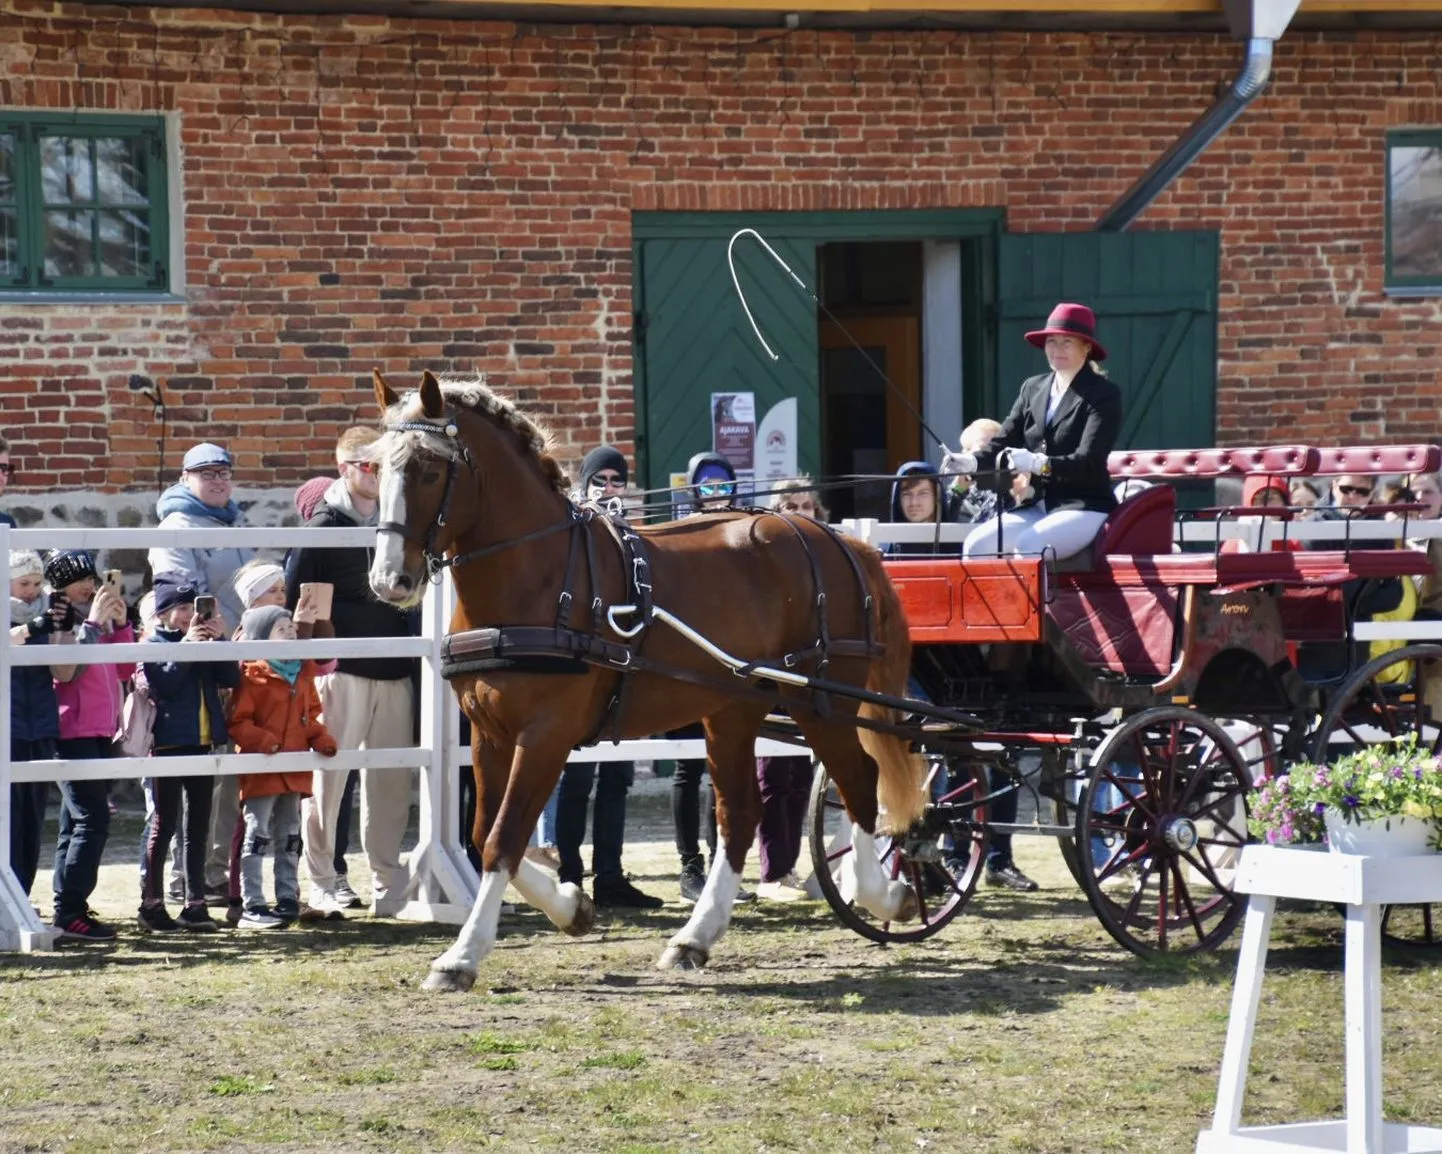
<point>1140,524</point>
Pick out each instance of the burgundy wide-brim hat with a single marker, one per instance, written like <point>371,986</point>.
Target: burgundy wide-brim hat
<point>1068,320</point>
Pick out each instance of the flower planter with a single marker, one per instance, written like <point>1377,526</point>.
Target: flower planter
<point>1396,836</point>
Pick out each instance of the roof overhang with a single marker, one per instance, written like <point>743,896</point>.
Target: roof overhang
<point>981,15</point>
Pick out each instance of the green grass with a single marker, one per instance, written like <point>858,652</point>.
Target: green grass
<point>1020,1028</point>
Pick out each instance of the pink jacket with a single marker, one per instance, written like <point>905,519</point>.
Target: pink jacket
<point>90,703</point>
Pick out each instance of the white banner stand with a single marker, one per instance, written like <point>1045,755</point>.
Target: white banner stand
<point>1364,885</point>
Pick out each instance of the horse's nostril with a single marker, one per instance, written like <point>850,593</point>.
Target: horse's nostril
<point>404,582</point>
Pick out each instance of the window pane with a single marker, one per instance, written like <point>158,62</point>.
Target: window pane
<point>7,168</point>
<point>9,244</point>
<point>69,249</point>
<point>124,243</point>
<point>1416,211</point>
<point>120,172</point>
<point>67,176</point>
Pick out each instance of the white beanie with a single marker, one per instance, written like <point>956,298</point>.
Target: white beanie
<point>26,563</point>
<point>251,582</point>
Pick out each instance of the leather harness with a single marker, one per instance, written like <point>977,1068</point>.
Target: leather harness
<point>562,648</point>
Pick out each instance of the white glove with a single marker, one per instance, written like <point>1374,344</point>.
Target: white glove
<point>1025,461</point>
<point>958,464</point>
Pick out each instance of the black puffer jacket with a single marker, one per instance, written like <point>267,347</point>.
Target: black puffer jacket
<point>355,609</point>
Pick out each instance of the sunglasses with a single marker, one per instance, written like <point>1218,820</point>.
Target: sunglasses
<point>716,488</point>
<point>1355,490</point>
<point>609,480</point>
<point>364,466</point>
<point>211,474</point>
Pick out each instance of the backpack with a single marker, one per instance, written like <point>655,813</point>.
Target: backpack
<point>136,735</point>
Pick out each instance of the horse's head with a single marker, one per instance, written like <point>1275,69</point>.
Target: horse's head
<point>427,490</point>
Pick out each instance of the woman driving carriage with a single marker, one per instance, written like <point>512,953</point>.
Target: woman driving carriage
<point>1060,430</point>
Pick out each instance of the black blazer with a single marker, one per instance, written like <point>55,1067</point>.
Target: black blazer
<point>1076,443</point>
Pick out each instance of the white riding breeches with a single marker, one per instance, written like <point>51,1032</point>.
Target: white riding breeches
<point>1030,531</point>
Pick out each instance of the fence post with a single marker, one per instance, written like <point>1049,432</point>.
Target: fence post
<point>20,929</point>
<point>442,887</point>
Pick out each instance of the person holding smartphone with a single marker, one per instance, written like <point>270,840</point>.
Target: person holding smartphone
<point>189,720</point>
<point>89,705</point>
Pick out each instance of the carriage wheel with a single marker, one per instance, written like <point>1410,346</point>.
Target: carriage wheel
<point>1382,703</point>
<point>1159,830</point>
<point>942,872</point>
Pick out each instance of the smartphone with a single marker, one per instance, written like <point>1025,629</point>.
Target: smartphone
<point>205,607</point>
<point>316,597</point>
<point>113,579</point>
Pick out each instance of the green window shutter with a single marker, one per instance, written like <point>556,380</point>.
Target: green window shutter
<point>692,339</point>
<point>83,203</point>
<point>1155,296</point>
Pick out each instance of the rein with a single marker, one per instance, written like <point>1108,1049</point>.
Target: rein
<point>437,563</point>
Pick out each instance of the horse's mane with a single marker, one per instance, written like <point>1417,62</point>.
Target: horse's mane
<point>472,394</point>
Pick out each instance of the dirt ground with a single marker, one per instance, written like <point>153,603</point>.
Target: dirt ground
<point>1021,1027</point>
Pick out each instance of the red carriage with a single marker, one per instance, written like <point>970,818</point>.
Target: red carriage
<point>1136,692</point>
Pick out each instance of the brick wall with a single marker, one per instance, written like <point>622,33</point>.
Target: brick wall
<point>361,191</point>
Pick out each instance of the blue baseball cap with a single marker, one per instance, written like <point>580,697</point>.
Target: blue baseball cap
<point>203,455</point>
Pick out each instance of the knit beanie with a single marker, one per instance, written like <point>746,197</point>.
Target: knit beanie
<point>69,566</point>
<point>258,623</point>
<point>26,563</point>
<point>172,589</point>
<point>251,581</point>
<point>309,495</point>
<point>603,457</point>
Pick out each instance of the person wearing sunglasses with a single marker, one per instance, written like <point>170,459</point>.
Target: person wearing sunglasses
<point>603,478</point>
<point>367,702</point>
<point>712,480</point>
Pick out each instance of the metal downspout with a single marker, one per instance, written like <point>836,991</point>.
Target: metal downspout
<point>1256,70</point>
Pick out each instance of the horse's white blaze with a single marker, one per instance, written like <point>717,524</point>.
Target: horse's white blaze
<point>713,911</point>
<point>557,901</point>
<point>388,567</point>
<point>478,935</point>
<point>864,882</point>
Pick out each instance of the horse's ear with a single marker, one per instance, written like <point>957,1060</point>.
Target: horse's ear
<point>432,405</point>
<point>385,395</point>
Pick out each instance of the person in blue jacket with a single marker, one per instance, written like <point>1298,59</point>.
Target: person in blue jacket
<point>189,720</point>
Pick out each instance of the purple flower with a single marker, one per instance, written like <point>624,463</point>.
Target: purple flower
<point>1351,800</point>
<point>1319,808</point>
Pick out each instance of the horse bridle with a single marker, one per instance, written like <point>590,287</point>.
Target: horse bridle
<point>437,563</point>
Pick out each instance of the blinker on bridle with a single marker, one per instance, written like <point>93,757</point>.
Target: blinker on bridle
<point>436,563</point>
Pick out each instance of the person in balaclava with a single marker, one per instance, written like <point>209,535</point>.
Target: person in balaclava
<point>712,480</point>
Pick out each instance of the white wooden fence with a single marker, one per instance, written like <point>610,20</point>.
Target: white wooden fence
<point>442,884</point>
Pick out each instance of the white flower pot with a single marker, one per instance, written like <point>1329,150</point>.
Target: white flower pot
<point>1378,837</point>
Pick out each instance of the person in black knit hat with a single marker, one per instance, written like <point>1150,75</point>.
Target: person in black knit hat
<point>603,476</point>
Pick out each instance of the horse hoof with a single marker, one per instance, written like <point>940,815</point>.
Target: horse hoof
<point>683,958</point>
<point>584,919</point>
<point>910,908</point>
<point>448,982</point>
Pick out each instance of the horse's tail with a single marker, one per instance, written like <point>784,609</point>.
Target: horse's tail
<point>901,772</point>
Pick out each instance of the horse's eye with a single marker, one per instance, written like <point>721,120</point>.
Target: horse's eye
<point>430,478</point>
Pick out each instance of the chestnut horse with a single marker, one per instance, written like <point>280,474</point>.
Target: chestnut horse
<point>465,474</point>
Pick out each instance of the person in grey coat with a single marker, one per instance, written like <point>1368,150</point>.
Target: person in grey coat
<point>201,499</point>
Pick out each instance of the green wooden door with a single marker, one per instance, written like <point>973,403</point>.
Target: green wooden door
<point>693,339</point>
<point>1155,296</point>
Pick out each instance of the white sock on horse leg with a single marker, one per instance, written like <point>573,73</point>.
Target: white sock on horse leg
<point>864,882</point>
<point>478,936</point>
<point>556,900</point>
<point>713,909</point>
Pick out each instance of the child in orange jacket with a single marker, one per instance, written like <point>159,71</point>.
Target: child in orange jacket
<point>275,710</point>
